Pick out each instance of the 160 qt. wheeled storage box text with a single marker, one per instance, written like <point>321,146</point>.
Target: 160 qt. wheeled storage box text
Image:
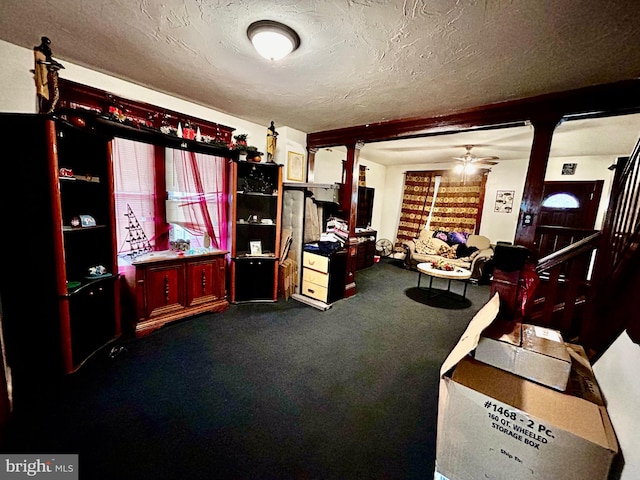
<point>493,424</point>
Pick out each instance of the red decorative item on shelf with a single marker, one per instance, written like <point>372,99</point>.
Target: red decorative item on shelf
<point>188,131</point>
<point>66,172</point>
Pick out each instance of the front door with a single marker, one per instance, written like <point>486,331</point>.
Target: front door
<point>572,205</point>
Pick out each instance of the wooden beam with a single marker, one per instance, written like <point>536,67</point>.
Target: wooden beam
<point>600,100</point>
<point>532,195</point>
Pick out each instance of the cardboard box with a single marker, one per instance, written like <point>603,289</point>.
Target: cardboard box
<point>530,351</point>
<point>495,425</point>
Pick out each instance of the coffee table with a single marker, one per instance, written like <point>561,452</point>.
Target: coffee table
<point>461,274</point>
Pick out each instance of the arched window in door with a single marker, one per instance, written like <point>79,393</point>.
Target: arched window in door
<point>561,200</point>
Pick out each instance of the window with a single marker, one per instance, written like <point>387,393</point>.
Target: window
<point>196,198</point>
<point>194,187</point>
<point>134,192</point>
<point>561,200</point>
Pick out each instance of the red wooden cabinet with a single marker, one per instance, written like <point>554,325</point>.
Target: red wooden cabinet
<point>169,287</point>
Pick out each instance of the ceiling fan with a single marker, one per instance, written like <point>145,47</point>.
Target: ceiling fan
<point>468,158</point>
<point>469,162</point>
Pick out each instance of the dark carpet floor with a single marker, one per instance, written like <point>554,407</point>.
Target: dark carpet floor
<point>263,391</point>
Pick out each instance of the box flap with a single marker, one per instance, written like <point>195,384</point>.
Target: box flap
<point>469,339</point>
<point>507,332</point>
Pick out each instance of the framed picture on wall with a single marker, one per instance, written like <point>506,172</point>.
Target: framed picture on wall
<point>295,166</point>
<point>569,168</point>
<point>504,201</point>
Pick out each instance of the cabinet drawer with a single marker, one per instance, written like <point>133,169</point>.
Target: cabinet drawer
<point>316,262</point>
<point>314,291</point>
<point>315,277</point>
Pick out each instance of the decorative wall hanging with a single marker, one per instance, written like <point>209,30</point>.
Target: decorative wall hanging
<point>569,168</point>
<point>504,201</point>
<point>362,177</point>
<point>295,166</point>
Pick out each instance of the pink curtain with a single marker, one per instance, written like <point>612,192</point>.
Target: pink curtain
<point>203,181</point>
<point>134,186</point>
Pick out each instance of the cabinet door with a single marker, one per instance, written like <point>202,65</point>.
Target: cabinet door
<point>254,279</point>
<point>164,289</point>
<point>91,313</point>
<point>205,281</point>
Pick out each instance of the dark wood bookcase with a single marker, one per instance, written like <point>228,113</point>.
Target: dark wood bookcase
<point>55,312</point>
<point>256,209</point>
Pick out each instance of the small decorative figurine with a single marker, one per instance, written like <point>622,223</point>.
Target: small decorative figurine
<point>45,74</point>
<point>272,140</point>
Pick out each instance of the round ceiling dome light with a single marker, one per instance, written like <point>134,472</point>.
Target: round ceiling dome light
<point>273,40</point>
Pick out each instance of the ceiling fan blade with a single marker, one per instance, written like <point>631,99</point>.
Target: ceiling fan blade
<point>486,162</point>
<point>485,159</point>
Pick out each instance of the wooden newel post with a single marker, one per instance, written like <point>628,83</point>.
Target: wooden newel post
<point>509,263</point>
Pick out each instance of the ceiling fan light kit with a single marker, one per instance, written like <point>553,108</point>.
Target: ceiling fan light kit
<point>273,40</point>
<point>469,163</point>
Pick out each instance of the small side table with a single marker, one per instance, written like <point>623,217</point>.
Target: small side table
<point>458,273</point>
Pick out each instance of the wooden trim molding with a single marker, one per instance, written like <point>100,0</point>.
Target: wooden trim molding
<point>597,101</point>
<point>83,100</point>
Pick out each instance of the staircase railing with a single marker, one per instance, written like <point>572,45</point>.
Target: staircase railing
<point>589,289</point>
<point>565,284</point>
<point>617,270</point>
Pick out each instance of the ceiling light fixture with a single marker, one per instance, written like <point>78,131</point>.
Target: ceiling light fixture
<point>273,40</point>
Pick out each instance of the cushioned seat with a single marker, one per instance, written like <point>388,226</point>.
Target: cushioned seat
<point>475,252</point>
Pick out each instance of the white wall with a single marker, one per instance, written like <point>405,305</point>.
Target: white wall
<point>617,375</point>
<point>506,175</point>
<point>496,226</point>
<point>17,94</point>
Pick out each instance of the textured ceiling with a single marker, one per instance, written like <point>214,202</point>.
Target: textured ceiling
<point>359,62</point>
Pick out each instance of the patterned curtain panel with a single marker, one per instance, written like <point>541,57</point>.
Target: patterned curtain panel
<point>418,191</point>
<point>457,207</point>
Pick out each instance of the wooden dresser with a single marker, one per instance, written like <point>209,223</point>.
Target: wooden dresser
<point>323,276</point>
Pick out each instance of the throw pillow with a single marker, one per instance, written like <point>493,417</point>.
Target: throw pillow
<point>447,252</point>
<point>441,235</point>
<point>455,238</point>
<point>422,246</point>
<point>434,245</point>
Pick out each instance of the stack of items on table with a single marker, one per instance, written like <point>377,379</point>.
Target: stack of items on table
<point>337,230</point>
<point>516,401</point>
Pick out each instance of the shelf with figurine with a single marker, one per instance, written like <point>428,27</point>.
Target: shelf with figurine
<point>168,136</point>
